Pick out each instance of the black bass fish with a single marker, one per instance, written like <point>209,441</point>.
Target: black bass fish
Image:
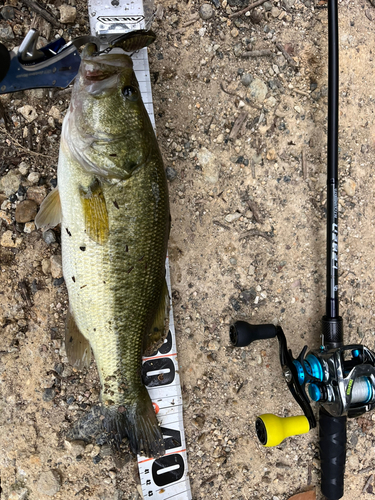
<point>112,202</point>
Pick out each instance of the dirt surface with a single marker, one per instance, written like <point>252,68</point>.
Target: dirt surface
<point>247,242</point>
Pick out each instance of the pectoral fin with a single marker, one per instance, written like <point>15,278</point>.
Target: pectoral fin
<point>77,347</point>
<point>159,326</point>
<point>49,214</point>
<point>95,213</point>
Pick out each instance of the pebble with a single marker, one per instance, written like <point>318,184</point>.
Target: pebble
<point>206,11</point>
<point>217,3</point>
<point>37,193</point>
<point>170,173</point>
<point>49,237</point>
<point>26,211</point>
<point>288,4</point>
<point>49,483</point>
<point>33,177</point>
<point>68,14</point>
<point>9,183</point>
<point>49,394</point>
<point>271,154</point>
<point>267,6</point>
<point>7,13</point>
<point>6,33</point>
<point>246,79</point>
<point>275,12</point>
<point>258,90</point>
<point>220,139</point>
<point>46,266</point>
<point>76,447</point>
<point>23,168</point>
<point>232,217</point>
<point>270,102</point>
<point>209,165</point>
<point>28,112</point>
<point>7,240</point>
<point>19,494</point>
<point>55,113</point>
<point>56,266</point>
<point>234,32</point>
<point>349,187</point>
<point>29,227</point>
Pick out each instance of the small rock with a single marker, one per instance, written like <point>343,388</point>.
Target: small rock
<point>246,79</point>
<point>232,217</point>
<point>18,29</point>
<point>237,49</point>
<point>49,483</point>
<point>23,168</point>
<point>51,121</point>
<point>258,90</point>
<point>220,139</point>
<point>68,14</point>
<point>6,33</point>
<point>33,177</point>
<point>7,240</point>
<point>9,183</point>
<point>234,32</point>
<point>170,173</point>
<point>275,12</point>
<point>49,394</point>
<point>29,227</point>
<point>267,6</point>
<point>270,102</point>
<point>349,187</point>
<point>7,13</point>
<point>49,237</point>
<point>18,494</point>
<point>26,211</point>
<point>209,165</point>
<point>216,3</point>
<point>37,193</point>
<point>56,266</point>
<point>271,154</point>
<point>46,266</point>
<point>288,4</point>
<point>97,459</point>
<point>206,11</point>
<point>28,112</point>
<point>76,447</point>
<point>55,113</point>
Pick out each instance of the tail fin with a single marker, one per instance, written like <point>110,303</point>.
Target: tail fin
<point>138,422</point>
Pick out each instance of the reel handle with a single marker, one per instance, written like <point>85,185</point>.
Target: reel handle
<point>272,430</point>
<point>332,444</point>
<point>242,333</point>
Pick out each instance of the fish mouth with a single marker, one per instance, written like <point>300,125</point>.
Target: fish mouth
<point>103,66</point>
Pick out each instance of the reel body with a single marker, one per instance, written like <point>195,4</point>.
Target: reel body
<point>341,380</point>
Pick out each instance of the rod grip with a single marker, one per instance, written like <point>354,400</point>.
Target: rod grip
<point>332,444</point>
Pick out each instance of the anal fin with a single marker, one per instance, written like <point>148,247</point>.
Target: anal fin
<point>77,347</point>
<point>49,214</point>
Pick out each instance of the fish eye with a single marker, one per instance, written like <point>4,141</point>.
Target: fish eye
<point>130,93</point>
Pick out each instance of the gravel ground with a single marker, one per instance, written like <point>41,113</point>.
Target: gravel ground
<point>244,141</point>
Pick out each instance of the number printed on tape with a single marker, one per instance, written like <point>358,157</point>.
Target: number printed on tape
<point>166,477</point>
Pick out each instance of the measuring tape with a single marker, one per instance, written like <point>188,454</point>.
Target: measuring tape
<point>165,477</point>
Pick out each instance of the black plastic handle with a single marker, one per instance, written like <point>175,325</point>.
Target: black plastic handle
<point>332,443</point>
<point>242,333</point>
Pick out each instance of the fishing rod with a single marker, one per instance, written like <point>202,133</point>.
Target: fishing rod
<point>339,378</point>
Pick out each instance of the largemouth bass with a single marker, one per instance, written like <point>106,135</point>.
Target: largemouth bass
<point>112,202</point>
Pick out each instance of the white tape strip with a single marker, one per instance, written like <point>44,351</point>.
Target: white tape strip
<point>166,477</point>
